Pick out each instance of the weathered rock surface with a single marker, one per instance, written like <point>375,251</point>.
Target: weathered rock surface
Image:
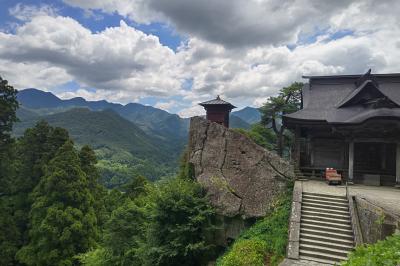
<point>241,178</point>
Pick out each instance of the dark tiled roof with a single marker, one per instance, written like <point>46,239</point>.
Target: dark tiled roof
<point>325,99</point>
<point>217,101</point>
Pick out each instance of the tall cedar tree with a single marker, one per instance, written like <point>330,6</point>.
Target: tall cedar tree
<point>9,235</point>
<point>88,162</point>
<point>62,218</point>
<point>288,101</point>
<point>34,150</point>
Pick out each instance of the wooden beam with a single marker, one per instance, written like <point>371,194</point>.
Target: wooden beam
<point>377,140</point>
<point>351,161</point>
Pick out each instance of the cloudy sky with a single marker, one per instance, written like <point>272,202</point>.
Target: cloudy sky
<point>173,54</point>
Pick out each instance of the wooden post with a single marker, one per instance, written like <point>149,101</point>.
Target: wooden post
<point>311,153</point>
<point>351,162</point>
<point>397,164</point>
<point>297,148</point>
<point>383,156</point>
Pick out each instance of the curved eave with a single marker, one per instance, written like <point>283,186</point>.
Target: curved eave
<point>291,122</point>
<point>229,106</point>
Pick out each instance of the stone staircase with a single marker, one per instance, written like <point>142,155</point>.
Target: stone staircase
<point>326,233</point>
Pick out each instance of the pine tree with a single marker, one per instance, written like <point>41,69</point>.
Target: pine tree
<point>63,221</point>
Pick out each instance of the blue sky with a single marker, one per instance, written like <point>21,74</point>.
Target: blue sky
<point>97,21</point>
<point>174,54</point>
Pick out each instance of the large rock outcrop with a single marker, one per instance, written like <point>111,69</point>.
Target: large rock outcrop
<point>241,178</point>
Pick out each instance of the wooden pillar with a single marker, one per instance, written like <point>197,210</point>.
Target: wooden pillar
<point>383,156</point>
<point>398,164</point>
<point>351,162</point>
<point>311,152</point>
<point>297,148</point>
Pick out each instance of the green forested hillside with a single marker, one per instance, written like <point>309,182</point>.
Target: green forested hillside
<point>131,139</point>
<point>53,210</point>
<point>122,147</point>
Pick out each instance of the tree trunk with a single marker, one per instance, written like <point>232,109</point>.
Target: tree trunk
<point>279,144</point>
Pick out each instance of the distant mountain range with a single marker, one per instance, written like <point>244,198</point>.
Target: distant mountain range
<point>128,139</point>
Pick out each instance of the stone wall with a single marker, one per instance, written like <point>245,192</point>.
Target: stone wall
<point>241,178</point>
<point>375,222</point>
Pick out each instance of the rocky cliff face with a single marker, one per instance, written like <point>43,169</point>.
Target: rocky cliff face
<point>241,178</point>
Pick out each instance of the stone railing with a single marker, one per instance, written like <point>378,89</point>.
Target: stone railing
<point>294,223</point>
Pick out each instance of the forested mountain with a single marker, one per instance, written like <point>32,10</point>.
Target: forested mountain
<point>129,140</point>
<point>151,120</point>
<point>250,115</point>
<point>53,211</point>
<point>148,118</point>
<point>122,147</point>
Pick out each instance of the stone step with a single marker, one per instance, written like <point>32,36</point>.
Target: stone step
<point>331,206</point>
<point>324,210</point>
<point>321,255</point>
<point>326,250</point>
<point>326,219</point>
<point>325,214</point>
<point>327,228</point>
<point>325,201</point>
<point>329,262</point>
<point>313,237</point>
<point>319,232</point>
<point>325,197</point>
<point>327,243</point>
<point>326,223</point>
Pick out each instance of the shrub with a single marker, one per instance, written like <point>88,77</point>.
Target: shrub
<point>265,241</point>
<point>246,252</point>
<point>385,252</point>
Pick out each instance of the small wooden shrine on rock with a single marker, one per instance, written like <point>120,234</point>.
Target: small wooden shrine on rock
<point>218,111</point>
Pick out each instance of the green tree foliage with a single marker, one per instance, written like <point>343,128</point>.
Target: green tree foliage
<point>265,242</point>
<point>124,233</point>
<point>62,220</point>
<point>9,234</point>
<point>181,222</point>
<point>136,187</point>
<point>385,252</point>
<point>34,150</point>
<point>170,223</point>
<point>88,162</point>
<point>288,101</point>
<point>186,168</point>
<point>261,135</point>
<point>8,107</point>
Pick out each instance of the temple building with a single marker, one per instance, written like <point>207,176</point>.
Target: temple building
<point>350,123</point>
<point>218,111</point>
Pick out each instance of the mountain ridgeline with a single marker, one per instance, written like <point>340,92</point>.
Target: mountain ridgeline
<point>131,139</point>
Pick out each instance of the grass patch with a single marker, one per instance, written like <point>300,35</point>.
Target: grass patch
<point>382,253</point>
<point>265,242</point>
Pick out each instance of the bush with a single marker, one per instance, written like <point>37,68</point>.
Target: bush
<point>385,252</point>
<point>265,241</point>
<point>167,223</point>
<point>181,221</point>
<point>246,252</point>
